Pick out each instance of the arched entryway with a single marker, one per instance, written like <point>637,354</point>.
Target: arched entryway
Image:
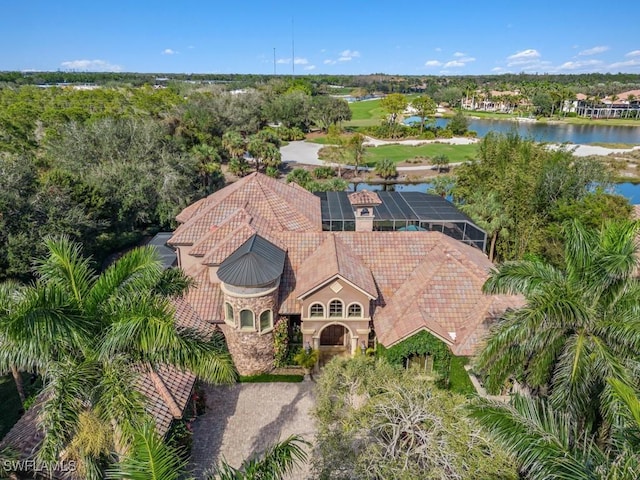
<point>335,340</point>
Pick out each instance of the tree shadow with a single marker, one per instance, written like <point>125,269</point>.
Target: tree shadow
<point>209,429</point>
<point>271,433</point>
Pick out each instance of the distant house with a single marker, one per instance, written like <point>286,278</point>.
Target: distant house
<point>622,105</point>
<point>347,270</point>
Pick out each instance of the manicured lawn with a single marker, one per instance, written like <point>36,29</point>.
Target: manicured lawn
<point>269,378</point>
<point>459,381</point>
<point>367,113</point>
<point>400,153</point>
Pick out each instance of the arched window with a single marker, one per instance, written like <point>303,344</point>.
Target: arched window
<point>364,212</point>
<point>316,310</point>
<point>266,320</point>
<point>335,308</point>
<point>228,313</point>
<point>246,319</point>
<point>355,310</point>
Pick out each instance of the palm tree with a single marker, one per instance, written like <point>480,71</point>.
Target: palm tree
<point>208,165</point>
<point>489,213</point>
<point>9,300</point>
<point>579,325</point>
<point>386,168</point>
<point>149,458</point>
<point>550,444</point>
<point>234,144</point>
<point>276,462</point>
<point>90,335</point>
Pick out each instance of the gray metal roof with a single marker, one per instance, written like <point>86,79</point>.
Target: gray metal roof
<point>168,255</point>
<point>257,262</point>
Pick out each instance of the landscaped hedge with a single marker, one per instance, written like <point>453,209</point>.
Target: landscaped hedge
<point>422,343</point>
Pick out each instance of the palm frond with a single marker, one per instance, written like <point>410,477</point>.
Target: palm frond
<point>547,444</point>
<point>119,402</point>
<point>65,266</point>
<point>146,327</point>
<point>69,389</point>
<point>277,461</point>
<point>136,271</point>
<point>149,458</point>
<point>521,277</point>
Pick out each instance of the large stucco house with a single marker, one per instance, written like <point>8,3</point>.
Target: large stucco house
<point>347,270</point>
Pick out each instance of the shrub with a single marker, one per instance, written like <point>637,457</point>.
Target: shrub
<point>272,172</point>
<point>281,342</point>
<point>445,133</point>
<point>322,173</point>
<point>386,168</point>
<point>428,135</point>
<point>239,167</point>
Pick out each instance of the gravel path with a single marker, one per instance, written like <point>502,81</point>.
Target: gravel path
<point>243,419</point>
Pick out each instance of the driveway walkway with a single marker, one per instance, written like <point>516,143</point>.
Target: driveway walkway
<point>243,419</point>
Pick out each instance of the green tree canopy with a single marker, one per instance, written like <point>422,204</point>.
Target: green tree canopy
<point>578,326</point>
<point>91,335</point>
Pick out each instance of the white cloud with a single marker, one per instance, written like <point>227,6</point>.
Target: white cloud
<point>594,50</point>
<point>283,61</point>
<point>329,62</point>
<point>191,47</point>
<point>523,57</point>
<point>310,67</point>
<point>454,64</point>
<point>438,49</point>
<point>634,53</point>
<point>91,65</point>
<point>497,69</point>
<point>348,55</point>
<point>168,51</point>
<point>628,63</point>
<point>432,63</point>
<point>300,61</point>
<point>579,65</point>
<point>459,54</point>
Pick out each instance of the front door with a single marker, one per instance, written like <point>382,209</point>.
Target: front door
<point>334,341</point>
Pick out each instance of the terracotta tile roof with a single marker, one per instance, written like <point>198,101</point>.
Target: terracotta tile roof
<point>419,280</point>
<point>166,389</point>
<point>364,197</point>
<point>334,258</point>
<point>278,205</point>
<point>167,392</point>
<point>205,297</point>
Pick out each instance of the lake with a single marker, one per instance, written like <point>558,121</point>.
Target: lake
<point>629,190</point>
<point>555,133</point>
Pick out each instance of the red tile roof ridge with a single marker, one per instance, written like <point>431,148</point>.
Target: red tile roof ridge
<point>163,391</point>
<point>240,215</point>
<point>217,196</point>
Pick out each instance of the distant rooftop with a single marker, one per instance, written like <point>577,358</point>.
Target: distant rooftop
<point>402,211</point>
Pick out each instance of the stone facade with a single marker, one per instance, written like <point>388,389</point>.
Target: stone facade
<point>252,349</point>
<point>252,352</point>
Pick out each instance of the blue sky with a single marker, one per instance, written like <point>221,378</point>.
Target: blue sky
<point>331,37</point>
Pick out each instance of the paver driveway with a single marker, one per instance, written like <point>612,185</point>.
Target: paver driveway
<point>243,419</point>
